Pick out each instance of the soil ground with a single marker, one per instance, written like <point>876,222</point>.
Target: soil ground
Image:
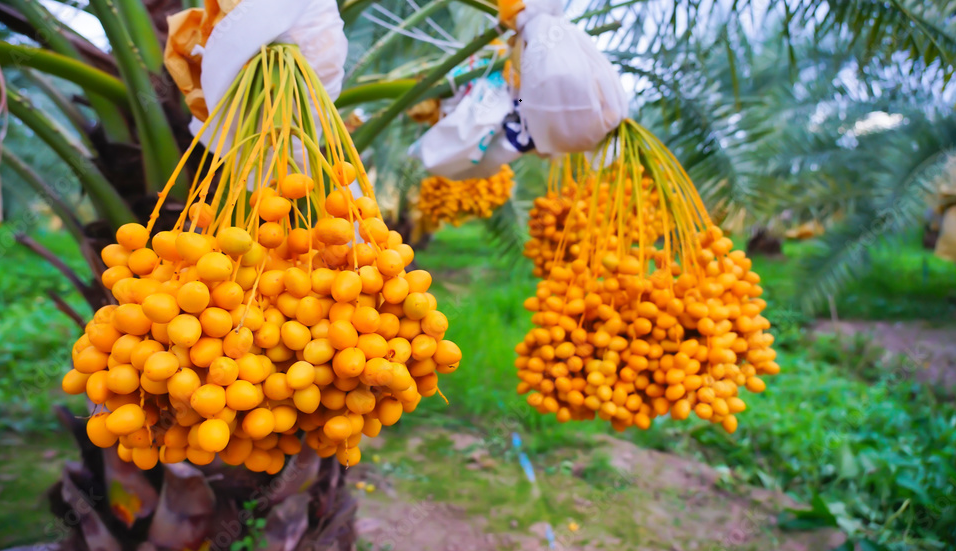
<point>451,491</point>
<point>460,491</point>
<point>928,350</point>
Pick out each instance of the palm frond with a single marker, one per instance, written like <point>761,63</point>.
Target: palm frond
<point>893,26</point>
<point>697,130</point>
<point>507,228</point>
<point>896,203</point>
<point>923,32</point>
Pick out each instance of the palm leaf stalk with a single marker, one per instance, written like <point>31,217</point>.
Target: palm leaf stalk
<point>62,41</point>
<point>160,151</point>
<point>137,19</point>
<point>364,136</point>
<point>108,202</point>
<point>89,78</point>
<point>47,192</point>
<point>70,110</point>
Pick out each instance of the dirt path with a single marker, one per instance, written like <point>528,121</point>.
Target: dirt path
<point>458,492</point>
<point>928,351</point>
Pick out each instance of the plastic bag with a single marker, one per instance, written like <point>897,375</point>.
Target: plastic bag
<point>510,143</point>
<point>456,145</point>
<point>571,95</point>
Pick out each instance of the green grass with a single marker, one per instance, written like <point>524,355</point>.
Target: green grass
<point>482,293</point>
<point>869,446</point>
<point>28,466</point>
<point>35,337</point>
<point>516,505</point>
<point>35,343</point>
<point>906,282</point>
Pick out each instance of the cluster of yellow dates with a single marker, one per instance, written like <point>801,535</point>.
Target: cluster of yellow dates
<point>644,309</point>
<point>279,309</point>
<point>456,201</point>
<point>225,343</point>
<point>551,225</point>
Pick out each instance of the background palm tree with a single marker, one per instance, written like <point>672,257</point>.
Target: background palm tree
<point>837,112</point>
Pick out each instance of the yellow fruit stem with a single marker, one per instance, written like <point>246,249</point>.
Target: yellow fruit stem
<point>276,98</point>
<point>442,395</point>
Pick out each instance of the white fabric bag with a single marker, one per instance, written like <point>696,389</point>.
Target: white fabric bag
<point>499,152</point>
<point>456,144</point>
<point>314,25</point>
<point>571,95</point>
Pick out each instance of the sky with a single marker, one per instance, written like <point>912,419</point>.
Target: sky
<point>84,23</point>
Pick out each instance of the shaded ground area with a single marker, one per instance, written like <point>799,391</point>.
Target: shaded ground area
<point>28,467</point>
<point>453,491</point>
<point>924,350</point>
<point>459,492</point>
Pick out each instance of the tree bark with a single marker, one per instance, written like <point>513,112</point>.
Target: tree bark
<point>104,504</point>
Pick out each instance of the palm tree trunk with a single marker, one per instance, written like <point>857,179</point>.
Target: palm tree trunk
<point>104,504</point>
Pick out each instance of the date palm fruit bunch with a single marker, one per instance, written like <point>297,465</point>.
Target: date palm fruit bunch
<point>455,201</point>
<point>279,308</point>
<point>549,223</point>
<point>627,330</point>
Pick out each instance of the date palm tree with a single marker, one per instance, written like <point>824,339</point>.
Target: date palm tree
<point>820,126</point>
<point>123,127</point>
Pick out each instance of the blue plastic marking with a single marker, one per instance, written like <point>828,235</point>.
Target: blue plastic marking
<point>526,465</point>
<point>529,473</point>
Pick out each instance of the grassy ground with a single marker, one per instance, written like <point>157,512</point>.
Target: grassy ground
<point>905,283</point>
<point>29,465</point>
<point>35,352</point>
<point>881,451</point>
<point>467,489</point>
<point>874,452</point>
<point>36,336</point>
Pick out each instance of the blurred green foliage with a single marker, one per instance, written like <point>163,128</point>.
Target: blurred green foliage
<point>35,337</point>
<point>906,283</point>
<point>22,142</point>
<point>29,465</point>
